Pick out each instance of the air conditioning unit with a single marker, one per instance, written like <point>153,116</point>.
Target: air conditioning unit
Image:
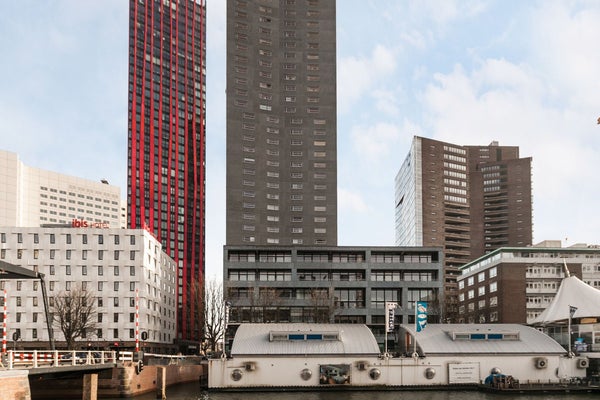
<point>250,366</point>
<point>361,365</point>
<point>583,363</point>
<point>541,362</point>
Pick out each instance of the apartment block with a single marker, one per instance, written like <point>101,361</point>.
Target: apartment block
<point>470,200</point>
<point>122,268</point>
<point>281,123</point>
<point>516,284</point>
<point>324,284</point>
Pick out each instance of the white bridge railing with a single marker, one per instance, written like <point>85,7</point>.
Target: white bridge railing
<point>58,358</point>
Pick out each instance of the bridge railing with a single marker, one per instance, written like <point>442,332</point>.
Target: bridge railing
<point>57,358</point>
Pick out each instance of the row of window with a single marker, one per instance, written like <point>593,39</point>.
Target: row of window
<point>68,238</point>
<point>481,277</point>
<point>67,254</point>
<point>339,298</point>
<point>481,291</point>
<point>79,195</point>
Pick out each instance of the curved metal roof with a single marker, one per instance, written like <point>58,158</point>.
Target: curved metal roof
<point>304,339</point>
<point>437,339</point>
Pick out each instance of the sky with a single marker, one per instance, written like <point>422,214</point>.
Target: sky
<point>469,72</point>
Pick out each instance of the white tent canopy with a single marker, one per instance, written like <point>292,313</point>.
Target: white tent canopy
<point>572,293</point>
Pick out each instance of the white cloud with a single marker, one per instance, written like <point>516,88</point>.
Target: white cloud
<point>376,142</point>
<point>358,76</point>
<point>546,105</point>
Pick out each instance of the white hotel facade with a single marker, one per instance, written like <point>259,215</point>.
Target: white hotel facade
<point>114,264</point>
<point>35,197</point>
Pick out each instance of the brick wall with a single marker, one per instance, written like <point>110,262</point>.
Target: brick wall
<point>14,385</point>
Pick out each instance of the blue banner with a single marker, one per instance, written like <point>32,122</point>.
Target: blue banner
<point>421,315</point>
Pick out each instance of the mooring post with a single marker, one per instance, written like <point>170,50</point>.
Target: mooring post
<point>161,383</point>
<point>90,387</point>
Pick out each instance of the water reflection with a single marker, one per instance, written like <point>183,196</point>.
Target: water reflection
<point>192,391</point>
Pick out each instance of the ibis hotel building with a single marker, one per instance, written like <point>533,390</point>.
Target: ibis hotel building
<point>35,197</point>
<point>121,268</point>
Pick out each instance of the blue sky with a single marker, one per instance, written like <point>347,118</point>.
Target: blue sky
<point>524,73</point>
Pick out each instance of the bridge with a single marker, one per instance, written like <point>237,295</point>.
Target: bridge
<point>54,361</point>
<point>49,374</point>
<point>18,367</point>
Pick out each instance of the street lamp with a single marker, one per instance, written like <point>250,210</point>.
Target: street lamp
<point>225,323</point>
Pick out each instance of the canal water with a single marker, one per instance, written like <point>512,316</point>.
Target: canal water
<point>193,392</point>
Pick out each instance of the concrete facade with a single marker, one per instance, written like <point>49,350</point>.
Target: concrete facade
<point>112,263</point>
<point>468,199</point>
<point>35,197</point>
<point>330,284</point>
<point>281,123</point>
<point>515,284</point>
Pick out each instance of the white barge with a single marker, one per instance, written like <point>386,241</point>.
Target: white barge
<point>346,356</point>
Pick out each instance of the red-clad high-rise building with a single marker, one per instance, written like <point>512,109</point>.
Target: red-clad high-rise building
<point>166,151</point>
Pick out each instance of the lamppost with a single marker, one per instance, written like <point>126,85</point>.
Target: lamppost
<point>225,323</point>
<point>572,310</point>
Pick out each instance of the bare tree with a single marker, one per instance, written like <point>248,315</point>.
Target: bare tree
<point>213,312</point>
<point>323,305</point>
<point>75,314</point>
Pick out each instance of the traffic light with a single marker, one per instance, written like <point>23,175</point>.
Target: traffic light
<point>139,367</point>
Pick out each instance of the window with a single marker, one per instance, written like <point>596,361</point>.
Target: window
<point>100,239</point>
<point>116,302</point>
<point>84,238</point>
<point>493,287</point>
<point>68,254</point>
<point>84,270</point>
<point>132,270</point>
<point>116,254</point>
<point>117,239</point>
<point>116,270</point>
<point>52,270</point>
<point>67,269</point>
<point>116,317</point>
<point>132,255</point>
<point>68,238</point>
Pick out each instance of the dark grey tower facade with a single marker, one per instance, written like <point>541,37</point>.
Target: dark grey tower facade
<point>281,123</point>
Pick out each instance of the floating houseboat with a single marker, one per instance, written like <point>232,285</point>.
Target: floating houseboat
<point>346,356</point>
